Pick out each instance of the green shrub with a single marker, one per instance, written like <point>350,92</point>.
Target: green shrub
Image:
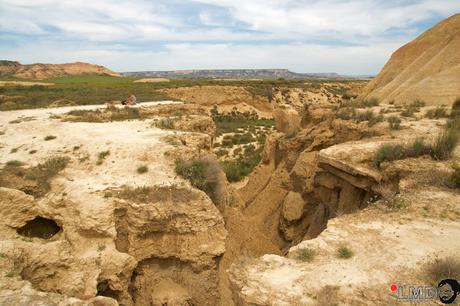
<point>455,111</point>
<point>388,152</point>
<point>438,112</point>
<point>394,122</point>
<point>411,109</point>
<point>371,102</point>
<point>142,169</point>
<point>344,252</point>
<point>44,171</point>
<point>306,255</point>
<point>222,152</point>
<point>41,174</point>
<point>418,103</point>
<point>456,175</point>
<point>101,156</point>
<point>375,119</point>
<point>417,148</point>
<point>445,144</point>
<point>346,113</point>
<point>235,170</point>
<point>204,174</point>
<point>364,116</point>
<point>50,137</point>
<point>441,149</point>
<point>234,121</point>
<point>126,113</point>
<point>14,163</point>
<point>408,112</point>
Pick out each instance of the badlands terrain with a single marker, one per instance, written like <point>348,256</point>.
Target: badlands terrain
<point>242,192</point>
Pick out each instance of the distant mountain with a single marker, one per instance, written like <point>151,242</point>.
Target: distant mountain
<point>231,74</point>
<point>427,68</point>
<point>43,71</point>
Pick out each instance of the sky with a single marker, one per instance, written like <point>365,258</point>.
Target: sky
<point>351,37</point>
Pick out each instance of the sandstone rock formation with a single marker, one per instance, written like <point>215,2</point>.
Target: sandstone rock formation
<point>43,71</point>
<point>224,97</point>
<point>428,68</point>
<point>332,198</point>
<point>93,238</point>
<point>287,120</point>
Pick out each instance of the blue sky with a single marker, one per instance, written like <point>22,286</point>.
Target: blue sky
<point>348,36</point>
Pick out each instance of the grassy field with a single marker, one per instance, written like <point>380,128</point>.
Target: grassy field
<point>93,89</point>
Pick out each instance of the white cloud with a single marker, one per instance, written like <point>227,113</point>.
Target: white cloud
<point>297,57</point>
<point>334,18</point>
<point>345,36</point>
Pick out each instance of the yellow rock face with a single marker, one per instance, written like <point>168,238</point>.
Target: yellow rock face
<point>428,68</point>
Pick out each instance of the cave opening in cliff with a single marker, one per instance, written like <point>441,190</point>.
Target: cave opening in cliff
<point>39,227</point>
<point>103,289</point>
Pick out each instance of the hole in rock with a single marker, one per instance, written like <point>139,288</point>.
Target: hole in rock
<point>103,289</point>
<point>39,228</point>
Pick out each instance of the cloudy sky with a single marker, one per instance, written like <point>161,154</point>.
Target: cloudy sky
<point>344,36</point>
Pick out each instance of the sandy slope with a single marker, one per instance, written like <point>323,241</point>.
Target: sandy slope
<point>428,68</point>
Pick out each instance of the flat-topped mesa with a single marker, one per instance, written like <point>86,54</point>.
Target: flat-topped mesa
<point>43,71</point>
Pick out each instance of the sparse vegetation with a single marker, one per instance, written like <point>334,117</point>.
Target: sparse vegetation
<point>456,175</point>
<point>153,194</point>
<point>350,113</point>
<point>438,269</point>
<point>243,165</point>
<point>247,132</point>
<point>440,149</point>
<point>101,156</point>
<point>49,137</point>
<point>438,112</point>
<point>455,111</point>
<point>359,103</point>
<point>45,171</point>
<point>34,180</point>
<point>394,122</point>
<point>394,202</point>
<point>234,121</point>
<point>14,150</point>
<point>142,169</point>
<point>143,194</point>
<point>306,254</point>
<point>166,123</point>
<point>204,174</point>
<point>411,109</point>
<point>344,252</point>
<point>221,152</point>
<point>370,102</point>
<point>14,163</point>
<point>32,151</point>
<point>94,89</point>
<point>110,113</point>
<point>445,144</point>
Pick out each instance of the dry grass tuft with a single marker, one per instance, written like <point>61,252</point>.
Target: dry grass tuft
<point>438,269</point>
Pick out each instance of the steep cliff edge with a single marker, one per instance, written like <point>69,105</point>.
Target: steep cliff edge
<point>349,229</point>
<point>428,68</point>
<point>83,226</point>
